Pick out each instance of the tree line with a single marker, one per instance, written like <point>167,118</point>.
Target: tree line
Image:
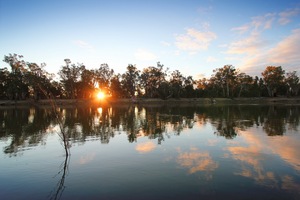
<point>29,80</point>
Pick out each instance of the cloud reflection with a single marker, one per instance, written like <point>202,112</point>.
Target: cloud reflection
<point>254,156</point>
<point>288,183</point>
<point>195,161</point>
<point>288,149</point>
<point>145,147</point>
<point>87,158</point>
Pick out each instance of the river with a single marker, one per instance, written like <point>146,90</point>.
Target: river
<point>151,152</point>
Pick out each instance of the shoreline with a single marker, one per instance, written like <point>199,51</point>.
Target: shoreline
<point>154,102</point>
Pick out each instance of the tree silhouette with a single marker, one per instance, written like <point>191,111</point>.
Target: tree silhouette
<point>25,80</point>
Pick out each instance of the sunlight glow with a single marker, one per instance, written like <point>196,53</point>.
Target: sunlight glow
<point>100,95</point>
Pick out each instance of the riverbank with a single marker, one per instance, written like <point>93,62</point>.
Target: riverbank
<point>152,101</point>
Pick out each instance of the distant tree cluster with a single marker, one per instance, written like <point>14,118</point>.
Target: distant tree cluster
<point>29,80</point>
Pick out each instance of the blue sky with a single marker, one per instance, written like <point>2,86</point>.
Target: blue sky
<point>192,36</point>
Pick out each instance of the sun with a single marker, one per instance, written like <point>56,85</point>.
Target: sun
<point>100,95</point>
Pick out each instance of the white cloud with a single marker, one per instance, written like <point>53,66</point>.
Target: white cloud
<point>286,15</point>
<point>287,50</point>
<point>248,45</point>
<point>164,43</point>
<point>144,55</point>
<point>199,76</point>
<point>83,44</point>
<point>177,53</point>
<point>257,24</point>
<point>255,51</point>
<point>211,59</point>
<point>223,45</point>
<point>264,22</point>
<point>194,40</point>
<point>285,53</point>
<point>232,58</point>
<point>205,26</point>
<point>241,29</point>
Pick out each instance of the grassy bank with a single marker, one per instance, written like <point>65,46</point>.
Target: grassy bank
<point>152,101</point>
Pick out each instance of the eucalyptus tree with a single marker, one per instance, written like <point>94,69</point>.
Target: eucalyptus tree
<point>56,89</point>
<point>293,83</point>
<point>262,89</point>
<point>225,77</point>
<point>16,86</point>
<point>87,83</point>
<point>244,83</point>
<point>26,79</point>
<point>176,83</point>
<point>216,86</point>
<point>202,87</point>
<point>164,90</point>
<point>257,87</point>
<point>39,80</point>
<point>15,62</point>
<point>116,87</point>
<point>4,73</point>
<point>151,79</point>
<point>188,85</point>
<point>70,76</point>
<point>208,87</point>
<point>273,78</point>
<point>130,81</point>
<point>103,77</point>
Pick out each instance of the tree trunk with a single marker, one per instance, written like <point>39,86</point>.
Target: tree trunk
<point>227,88</point>
<point>241,88</point>
<point>270,91</point>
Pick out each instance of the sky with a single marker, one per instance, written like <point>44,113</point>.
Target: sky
<point>192,36</point>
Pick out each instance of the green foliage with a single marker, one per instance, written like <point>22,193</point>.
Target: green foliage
<point>30,80</point>
<point>151,79</point>
<point>25,80</point>
<point>130,81</point>
<point>292,82</point>
<point>70,77</point>
<point>274,79</point>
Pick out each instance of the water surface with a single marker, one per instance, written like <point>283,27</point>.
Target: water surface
<point>133,152</point>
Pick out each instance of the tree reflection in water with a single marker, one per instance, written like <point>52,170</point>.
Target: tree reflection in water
<point>25,128</point>
<point>57,192</point>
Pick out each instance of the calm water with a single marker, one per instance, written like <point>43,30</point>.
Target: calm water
<point>128,152</point>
